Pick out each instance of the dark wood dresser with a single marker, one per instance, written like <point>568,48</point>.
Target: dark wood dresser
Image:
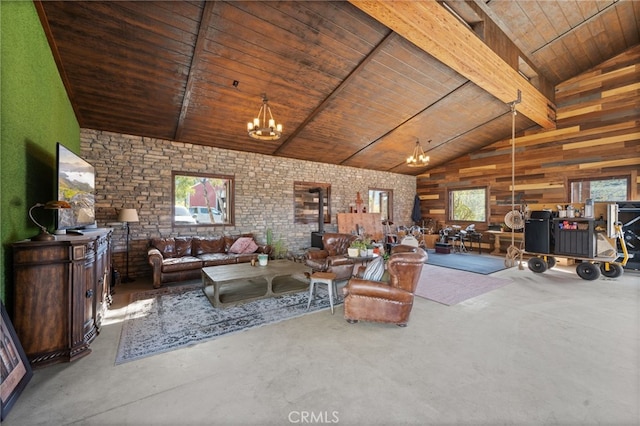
<point>61,294</point>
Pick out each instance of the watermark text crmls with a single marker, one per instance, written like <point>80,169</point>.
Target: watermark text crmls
<point>313,417</point>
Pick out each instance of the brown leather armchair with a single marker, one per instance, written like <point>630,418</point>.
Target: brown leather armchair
<point>332,258</point>
<point>386,302</point>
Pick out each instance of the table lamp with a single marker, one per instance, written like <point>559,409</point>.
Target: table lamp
<point>44,235</point>
<point>127,216</point>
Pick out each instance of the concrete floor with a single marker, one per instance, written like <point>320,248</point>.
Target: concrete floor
<point>547,349</point>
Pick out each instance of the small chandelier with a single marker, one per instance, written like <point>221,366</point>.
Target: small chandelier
<point>418,158</point>
<point>262,129</point>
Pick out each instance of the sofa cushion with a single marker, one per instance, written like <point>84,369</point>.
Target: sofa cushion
<point>243,245</point>
<point>374,270</point>
<point>184,263</point>
<point>230,239</point>
<point>183,246</point>
<point>172,247</point>
<point>203,245</point>
<point>214,259</point>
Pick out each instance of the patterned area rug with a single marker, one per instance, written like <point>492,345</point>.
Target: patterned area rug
<point>449,286</point>
<point>170,318</point>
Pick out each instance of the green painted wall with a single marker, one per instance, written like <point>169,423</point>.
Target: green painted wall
<point>35,113</point>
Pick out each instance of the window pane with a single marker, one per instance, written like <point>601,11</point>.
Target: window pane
<point>614,189</point>
<point>202,199</point>
<point>381,201</point>
<point>468,205</point>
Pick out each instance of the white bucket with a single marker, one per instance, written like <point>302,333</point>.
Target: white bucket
<point>263,259</point>
<point>562,213</point>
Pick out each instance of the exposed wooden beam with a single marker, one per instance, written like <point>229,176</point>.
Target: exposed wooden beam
<point>436,31</point>
<point>205,21</point>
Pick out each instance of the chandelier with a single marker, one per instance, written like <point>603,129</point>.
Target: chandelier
<point>263,129</point>
<point>418,158</point>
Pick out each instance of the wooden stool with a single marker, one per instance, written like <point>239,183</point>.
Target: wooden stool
<point>327,278</point>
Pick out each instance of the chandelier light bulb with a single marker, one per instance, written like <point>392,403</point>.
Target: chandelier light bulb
<point>418,158</point>
<point>262,128</point>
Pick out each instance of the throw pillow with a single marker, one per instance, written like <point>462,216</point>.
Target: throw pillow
<point>244,245</point>
<point>374,270</point>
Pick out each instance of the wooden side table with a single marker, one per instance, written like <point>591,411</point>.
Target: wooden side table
<point>497,235</point>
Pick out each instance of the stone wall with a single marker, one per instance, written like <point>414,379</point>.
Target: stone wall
<point>135,172</point>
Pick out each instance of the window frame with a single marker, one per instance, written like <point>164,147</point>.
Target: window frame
<point>570,183</point>
<point>450,208</point>
<point>227,199</point>
<point>389,192</point>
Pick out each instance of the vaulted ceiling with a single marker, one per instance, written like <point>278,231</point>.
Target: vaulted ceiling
<point>353,83</point>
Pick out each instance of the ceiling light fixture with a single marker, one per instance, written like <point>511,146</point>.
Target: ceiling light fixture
<point>263,129</point>
<point>418,158</point>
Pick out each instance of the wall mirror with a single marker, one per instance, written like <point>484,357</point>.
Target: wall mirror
<point>381,201</point>
<point>201,199</point>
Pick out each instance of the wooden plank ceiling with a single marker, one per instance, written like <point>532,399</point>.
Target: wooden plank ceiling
<point>352,84</point>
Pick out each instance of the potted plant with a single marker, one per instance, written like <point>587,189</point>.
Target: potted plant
<point>354,248</point>
<point>279,249</point>
<point>368,246</point>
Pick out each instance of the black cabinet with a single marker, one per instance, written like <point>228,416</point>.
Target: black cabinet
<point>538,237</point>
<point>575,237</point>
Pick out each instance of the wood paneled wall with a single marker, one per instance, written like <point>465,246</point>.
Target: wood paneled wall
<point>597,135</point>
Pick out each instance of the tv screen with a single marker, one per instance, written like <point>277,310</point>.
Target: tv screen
<point>76,185</point>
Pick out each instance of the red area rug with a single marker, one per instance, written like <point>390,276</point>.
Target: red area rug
<point>451,286</point>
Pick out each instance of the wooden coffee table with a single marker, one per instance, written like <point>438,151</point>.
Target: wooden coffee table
<point>228,285</point>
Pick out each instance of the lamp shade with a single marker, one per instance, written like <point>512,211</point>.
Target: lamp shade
<point>51,205</point>
<point>128,215</point>
<point>57,205</point>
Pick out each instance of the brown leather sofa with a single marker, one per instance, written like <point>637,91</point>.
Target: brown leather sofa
<point>332,258</point>
<point>182,258</point>
<point>386,302</point>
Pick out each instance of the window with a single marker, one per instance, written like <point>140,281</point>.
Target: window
<point>381,201</point>
<point>469,205</point>
<point>202,199</point>
<point>607,189</point>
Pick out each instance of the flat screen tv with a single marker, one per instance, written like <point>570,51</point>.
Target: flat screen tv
<point>76,185</point>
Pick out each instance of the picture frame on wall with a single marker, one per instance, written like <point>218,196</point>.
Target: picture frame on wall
<point>15,370</point>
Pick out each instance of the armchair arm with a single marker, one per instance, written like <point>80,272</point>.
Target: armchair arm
<point>155,260</point>
<point>316,254</point>
<point>155,257</point>
<point>358,287</point>
<point>339,260</point>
